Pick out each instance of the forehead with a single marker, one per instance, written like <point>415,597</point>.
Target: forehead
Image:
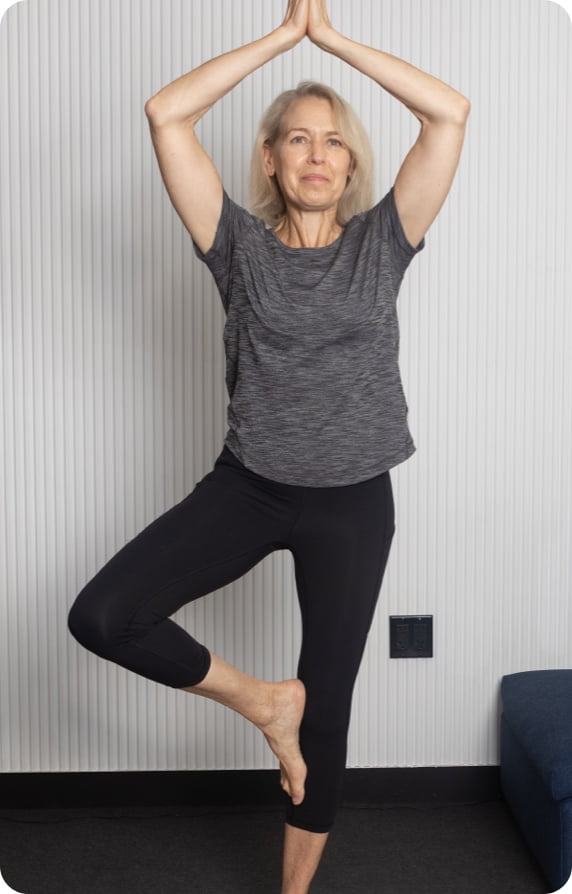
<point>309,111</point>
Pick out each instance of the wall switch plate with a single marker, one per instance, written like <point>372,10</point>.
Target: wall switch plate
<point>411,636</point>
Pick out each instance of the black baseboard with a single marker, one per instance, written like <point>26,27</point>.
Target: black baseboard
<point>362,787</point>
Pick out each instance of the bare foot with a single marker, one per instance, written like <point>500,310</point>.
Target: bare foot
<point>289,698</point>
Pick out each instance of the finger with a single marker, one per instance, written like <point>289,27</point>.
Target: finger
<point>316,13</point>
<point>302,12</point>
<point>325,16</point>
<point>297,14</point>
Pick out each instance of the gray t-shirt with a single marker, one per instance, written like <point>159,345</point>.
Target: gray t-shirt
<point>312,343</point>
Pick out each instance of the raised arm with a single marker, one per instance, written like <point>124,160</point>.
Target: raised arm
<point>427,173</point>
<point>190,176</point>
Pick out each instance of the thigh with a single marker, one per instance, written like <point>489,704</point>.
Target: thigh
<point>210,538</point>
<point>342,544</point>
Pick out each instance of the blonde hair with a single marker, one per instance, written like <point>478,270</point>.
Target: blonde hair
<point>266,199</point>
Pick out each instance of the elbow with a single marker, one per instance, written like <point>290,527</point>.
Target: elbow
<point>156,113</point>
<point>463,111</point>
<point>157,109</point>
<point>456,112</point>
<point>160,114</point>
<point>151,108</point>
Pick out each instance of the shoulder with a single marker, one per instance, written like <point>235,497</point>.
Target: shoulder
<point>237,216</point>
<point>235,224</point>
<point>378,236</point>
<point>384,219</point>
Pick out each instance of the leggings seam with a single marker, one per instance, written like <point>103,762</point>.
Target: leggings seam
<point>298,514</point>
<point>171,583</point>
<point>383,558</point>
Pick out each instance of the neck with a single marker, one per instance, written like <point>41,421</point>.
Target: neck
<point>316,229</point>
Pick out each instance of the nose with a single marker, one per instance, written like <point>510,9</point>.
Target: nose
<point>316,152</point>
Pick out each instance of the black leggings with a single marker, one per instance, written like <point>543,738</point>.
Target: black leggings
<point>340,539</point>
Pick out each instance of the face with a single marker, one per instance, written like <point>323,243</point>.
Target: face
<point>310,159</point>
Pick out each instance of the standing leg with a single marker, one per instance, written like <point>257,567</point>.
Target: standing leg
<point>341,544</point>
<point>302,854</point>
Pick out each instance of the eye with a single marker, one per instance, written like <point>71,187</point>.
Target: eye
<point>335,142</point>
<point>297,139</point>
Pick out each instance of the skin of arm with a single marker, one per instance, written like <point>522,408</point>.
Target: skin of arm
<point>428,98</point>
<point>189,174</point>
<point>189,97</point>
<point>426,175</point>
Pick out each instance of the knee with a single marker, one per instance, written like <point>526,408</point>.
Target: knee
<point>87,623</point>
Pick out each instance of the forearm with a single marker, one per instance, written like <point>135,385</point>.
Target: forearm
<point>426,96</point>
<point>189,97</point>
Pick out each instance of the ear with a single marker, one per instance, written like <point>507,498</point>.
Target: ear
<point>268,156</point>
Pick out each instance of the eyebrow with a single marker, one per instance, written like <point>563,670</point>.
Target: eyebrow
<point>329,133</point>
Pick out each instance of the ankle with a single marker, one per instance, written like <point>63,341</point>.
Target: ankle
<point>229,686</point>
<point>291,886</point>
<point>261,704</point>
<point>302,854</point>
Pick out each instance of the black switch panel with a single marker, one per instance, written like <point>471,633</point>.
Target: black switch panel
<point>411,636</point>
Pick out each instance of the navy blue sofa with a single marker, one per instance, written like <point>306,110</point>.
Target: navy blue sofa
<point>536,765</point>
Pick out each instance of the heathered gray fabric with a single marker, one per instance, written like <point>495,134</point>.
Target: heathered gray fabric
<point>312,342</point>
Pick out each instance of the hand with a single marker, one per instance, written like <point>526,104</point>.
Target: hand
<point>319,25</point>
<point>296,20</point>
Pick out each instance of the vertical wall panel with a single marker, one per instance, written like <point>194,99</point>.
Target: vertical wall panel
<point>113,391</point>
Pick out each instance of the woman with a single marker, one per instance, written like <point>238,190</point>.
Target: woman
<point>317,415</point>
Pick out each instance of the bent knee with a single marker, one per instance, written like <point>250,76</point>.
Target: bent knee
<point>89,625</point>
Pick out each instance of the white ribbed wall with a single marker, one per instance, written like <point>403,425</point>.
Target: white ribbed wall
<point>113,396</point>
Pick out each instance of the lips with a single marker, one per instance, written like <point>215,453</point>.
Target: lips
<point>315,177</point>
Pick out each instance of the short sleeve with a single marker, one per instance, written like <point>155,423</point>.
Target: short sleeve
<point>233,223</point>
<point>402,252</point>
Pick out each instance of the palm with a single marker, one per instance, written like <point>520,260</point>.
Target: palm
<point>297,17</point>
<point>318,20</point>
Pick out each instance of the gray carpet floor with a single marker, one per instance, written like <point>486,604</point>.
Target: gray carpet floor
<point>462,849</point>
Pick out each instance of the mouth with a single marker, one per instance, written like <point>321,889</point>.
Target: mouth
<point>315,177</point>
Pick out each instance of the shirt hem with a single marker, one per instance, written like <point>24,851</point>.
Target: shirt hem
<point>269,473</point>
